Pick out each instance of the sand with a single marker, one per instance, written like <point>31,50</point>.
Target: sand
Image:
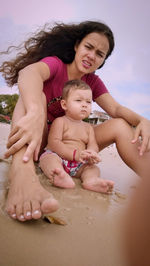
<point>93,234</point>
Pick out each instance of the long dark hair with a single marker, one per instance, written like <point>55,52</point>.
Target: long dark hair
<point>58,40</point>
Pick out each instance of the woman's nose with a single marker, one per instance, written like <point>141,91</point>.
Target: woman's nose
<point>91,55</point>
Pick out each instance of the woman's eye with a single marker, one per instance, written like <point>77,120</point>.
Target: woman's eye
<point>88,47</point>
<point>100,55</point>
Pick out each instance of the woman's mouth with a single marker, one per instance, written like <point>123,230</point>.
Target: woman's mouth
<point>86,64</point>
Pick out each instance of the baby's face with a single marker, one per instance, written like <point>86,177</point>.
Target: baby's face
<point>78,104</point>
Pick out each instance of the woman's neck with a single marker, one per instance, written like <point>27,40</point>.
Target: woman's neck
<point>72,72</point>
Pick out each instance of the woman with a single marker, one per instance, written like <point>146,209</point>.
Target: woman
<point>52,57</point>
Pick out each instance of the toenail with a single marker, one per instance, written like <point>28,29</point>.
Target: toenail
<point>28,213</point>
<point>13,215</point>
<point>36,212</point>
<point>21,216</point>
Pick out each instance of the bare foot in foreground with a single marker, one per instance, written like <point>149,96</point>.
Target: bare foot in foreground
<point>27,199</point>
<point>60,178</point>
<point>99,185</point>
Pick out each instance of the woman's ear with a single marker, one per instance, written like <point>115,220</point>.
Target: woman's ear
<point>76,45</point>
<point>63,104</point>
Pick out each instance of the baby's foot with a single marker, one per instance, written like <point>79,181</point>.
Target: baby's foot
<point>60,178</point>
<point>99,185</point>
<point>27,199</point>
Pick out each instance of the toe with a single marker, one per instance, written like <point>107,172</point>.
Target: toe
<point>36,210</point>
<point>11,210</point>
<point>19,212</point>
<point>27,210</point>
<point>49,205</point>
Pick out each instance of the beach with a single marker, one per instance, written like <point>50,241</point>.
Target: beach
<point>93,232</point>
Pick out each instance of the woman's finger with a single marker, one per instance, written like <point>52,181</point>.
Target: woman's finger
<point>15,147</point>
<point>29,152</point>
<point>36,153</point>
<point>13,139</point>
<point>144,145</point>
<point>13,131</point>
<point>136,135</point>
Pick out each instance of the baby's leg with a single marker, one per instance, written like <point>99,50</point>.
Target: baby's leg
<point>91,180</point>
<point>51,165</point>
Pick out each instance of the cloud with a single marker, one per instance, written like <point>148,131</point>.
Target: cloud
<point>11,33</point>
<point>135,98</point>
<point>127,70</point>
<point>37,12</point>
<point>7,90</point>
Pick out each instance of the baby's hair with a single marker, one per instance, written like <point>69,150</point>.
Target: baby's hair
<point>75,84</point>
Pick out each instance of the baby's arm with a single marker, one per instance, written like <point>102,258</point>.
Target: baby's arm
<point>55,140</point>
<point>92,144</point>
<point>91,155</point>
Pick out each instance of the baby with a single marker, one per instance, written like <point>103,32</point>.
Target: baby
<point>72,150</point>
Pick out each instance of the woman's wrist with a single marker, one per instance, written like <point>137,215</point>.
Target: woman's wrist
<point>36,111</point>
<point>35,108</point>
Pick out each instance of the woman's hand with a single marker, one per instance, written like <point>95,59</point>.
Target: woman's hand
<point>143,130</point>
<point>89,156</point>
<point>27,131</point>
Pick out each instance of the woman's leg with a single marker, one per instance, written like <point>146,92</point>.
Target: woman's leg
<point>26,199</point>
<point>119,131</point>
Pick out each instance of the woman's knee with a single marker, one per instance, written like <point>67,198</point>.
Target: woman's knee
<point>109,131</point>
<point>120,124</point>
<point>121,128</point>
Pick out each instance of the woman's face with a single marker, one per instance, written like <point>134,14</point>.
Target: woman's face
<point>91,52</point>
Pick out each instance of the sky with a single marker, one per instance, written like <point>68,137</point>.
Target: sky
<point>126,73</point>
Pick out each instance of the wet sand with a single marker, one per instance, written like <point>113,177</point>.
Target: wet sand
<point>93,234</point>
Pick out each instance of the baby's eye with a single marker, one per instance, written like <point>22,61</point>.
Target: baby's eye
<point>78,100</point>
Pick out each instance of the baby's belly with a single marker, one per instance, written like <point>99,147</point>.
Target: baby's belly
<point>75,144</point>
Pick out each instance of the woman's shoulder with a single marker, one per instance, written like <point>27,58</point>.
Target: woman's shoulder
<point>91,78</point>
<point>52,59</point>
<point>96,84</point>
<point>55,65</point>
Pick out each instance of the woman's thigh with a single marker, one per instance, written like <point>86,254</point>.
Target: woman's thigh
<point>111,131</point>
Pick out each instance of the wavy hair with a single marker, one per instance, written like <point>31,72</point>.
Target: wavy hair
<point>58,40</point>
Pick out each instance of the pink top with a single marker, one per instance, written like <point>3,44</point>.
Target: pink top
<point>54,85</point>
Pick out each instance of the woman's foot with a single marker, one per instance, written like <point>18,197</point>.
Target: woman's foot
<point>98,185</point>
<point>27,199</point>
<point>60,178</point>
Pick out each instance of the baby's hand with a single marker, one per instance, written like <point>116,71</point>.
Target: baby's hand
<point>89,156</point>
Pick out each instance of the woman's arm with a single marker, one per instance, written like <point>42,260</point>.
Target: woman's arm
<point>28,129</point>
<point>30,84</point>
<point>115,110</point>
